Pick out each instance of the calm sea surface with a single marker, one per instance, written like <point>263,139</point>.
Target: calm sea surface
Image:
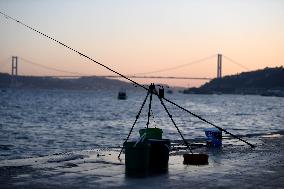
<point>41,122</point>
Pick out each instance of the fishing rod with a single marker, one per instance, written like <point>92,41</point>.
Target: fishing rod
<point>123,76</point>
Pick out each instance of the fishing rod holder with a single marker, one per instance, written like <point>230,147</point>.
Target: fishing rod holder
<point>160,93</point>
<point>152,90</point>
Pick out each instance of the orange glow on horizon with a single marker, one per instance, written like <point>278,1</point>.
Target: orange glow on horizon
<point>126,39</point>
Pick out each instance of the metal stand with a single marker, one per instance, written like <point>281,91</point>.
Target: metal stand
<point>137,117</point>
<point>152,90</point>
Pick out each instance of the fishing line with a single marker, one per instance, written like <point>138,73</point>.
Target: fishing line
<point>121,75</point>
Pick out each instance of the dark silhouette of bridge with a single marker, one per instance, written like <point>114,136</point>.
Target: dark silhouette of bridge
<point>68,74</point>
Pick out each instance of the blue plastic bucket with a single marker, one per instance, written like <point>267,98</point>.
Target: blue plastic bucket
<point>214,137</point>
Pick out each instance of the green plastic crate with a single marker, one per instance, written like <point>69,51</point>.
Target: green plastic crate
<point>151,133</point>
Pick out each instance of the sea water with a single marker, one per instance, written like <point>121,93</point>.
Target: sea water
<point>42,122</point>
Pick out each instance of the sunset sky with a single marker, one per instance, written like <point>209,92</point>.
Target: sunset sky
<point>143,36</point>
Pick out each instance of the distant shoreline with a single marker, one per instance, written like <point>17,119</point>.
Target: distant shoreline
<point>265,82</point>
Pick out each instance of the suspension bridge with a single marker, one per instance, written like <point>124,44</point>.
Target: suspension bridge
<point>15,62</point>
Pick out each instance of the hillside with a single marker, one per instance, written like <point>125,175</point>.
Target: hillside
<point>84,83</point>
<point>253,82</point>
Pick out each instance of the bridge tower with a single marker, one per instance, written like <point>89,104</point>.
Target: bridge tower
<point>219,66</point>
<point>14,73</point>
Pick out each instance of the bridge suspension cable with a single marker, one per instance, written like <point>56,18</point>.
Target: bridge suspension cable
<point>235,62</point>
<point>77,74</point>
<point>50,68</point>
<point>177,67</point>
